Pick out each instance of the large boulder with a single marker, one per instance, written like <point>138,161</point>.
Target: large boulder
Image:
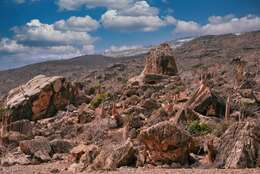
<point>166,143</point>
<point>240,146</point>
<point>39,98</point>
<point>160,60</point>
<point>160,66</point>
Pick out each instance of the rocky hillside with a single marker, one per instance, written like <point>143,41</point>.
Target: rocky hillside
<point>197,106</point>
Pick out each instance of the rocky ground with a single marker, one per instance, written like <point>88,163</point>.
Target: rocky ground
<point>195,108</point>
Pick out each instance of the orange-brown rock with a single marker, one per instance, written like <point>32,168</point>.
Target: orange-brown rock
<point>39,98</point>
<point>240,146</point>
<point>160,60</point>
<point>206,102</point>
<point>166,143</point>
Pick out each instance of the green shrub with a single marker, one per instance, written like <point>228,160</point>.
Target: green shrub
<point>198,128</point>
<point>99,98</point>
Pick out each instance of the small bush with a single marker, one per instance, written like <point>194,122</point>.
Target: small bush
<point>198,128</point>
<point>99,99</point>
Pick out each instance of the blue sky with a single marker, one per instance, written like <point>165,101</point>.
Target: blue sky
<point>39,30</point>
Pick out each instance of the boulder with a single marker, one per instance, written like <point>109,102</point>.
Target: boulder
<point>91,152</point>
<point>85,114</point>
<point>16,158</point>
<point>39,98</point>
<point>240,146</point>
<point>60,146</point>
<point>124,155</point>
<point>78,151</point>
<point>160,60</point>
<point>207,102</point>
<point>160,65</point>
<point>22,126</point>
<point>150,104</point>
<point>38,148</point>
<point>166,143</point>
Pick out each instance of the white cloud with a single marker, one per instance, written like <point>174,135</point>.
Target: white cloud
<point>232,25</point>
<point>187,28</point>
<point>36,41</point>
<point>112,19</point>
<point>140,8</point>
<point>122,15</point>
<point>75,4</point>
<point>218,25</point>
<point>220,19</point>
<point>114,48</point>
<point>138,17</point>
<point>10,46</point>
<point>82,24</point>
<point>170,20</point>
<point>39,34</point>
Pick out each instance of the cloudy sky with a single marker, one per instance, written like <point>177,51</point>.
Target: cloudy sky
<point>39,30</point>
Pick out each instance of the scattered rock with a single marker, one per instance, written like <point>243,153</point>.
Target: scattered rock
<point>39,148</point>
<point>150,104</point>
<point>60,146</point>
<point>91,152</point>
<point>21,126</point>
<point>85,115</point>
<point>78,151</point>
<point>11,159</point>
<point>240,146</point>
<point>124,155</point>
<point>206,102</point>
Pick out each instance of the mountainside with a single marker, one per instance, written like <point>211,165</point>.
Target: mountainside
<point>74,69</point>
<point>193,107</point>
<point>202,51</point>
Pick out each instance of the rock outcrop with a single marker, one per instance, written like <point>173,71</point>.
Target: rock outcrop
<point>166,143</point>
<point>240,146</point>
<point>160,60</point>
<point>160,65</point>
<point>39,98</point>
<point>206,102</point>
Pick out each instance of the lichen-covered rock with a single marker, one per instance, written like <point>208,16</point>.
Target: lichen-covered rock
<point>160,60</point>
<point>166,143</point>
<point>240,146</point>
